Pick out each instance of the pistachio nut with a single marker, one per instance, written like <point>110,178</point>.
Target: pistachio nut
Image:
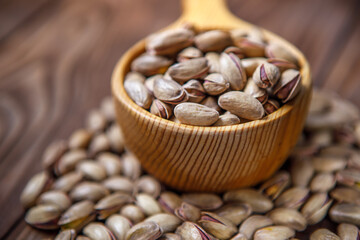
<point>258,201</point>
<point>282,64</point>
<point>316,208</point>
<point>131,166</point>
<point>213,41</point>
<point>204,201</point>
<point>215,84</point>
<point>92,170</point>
<point>292,198</point>
<point>211,102</point>
<point>301,171</point>
<point>37,184</point>
<point>345,194</point>
<point>217,226</point>
<point>96,121</point>
<point>138,93</point>
<point>195,114</point>
<point>88,191</point>
<point>148,184</point>
<point>271,105</point>
<point>274,233</point>
<point>345,213</point>
<point>253,90</point>
<point>348,231</point>
<point>233,71</point>
<point>250,46</point>
<point>133,213</point>
<point>161,109</point>
<point>167,222</point>
<point>275,50</point>
<point>169,201</point>
<point>288,86</point>
<point>195,91</point>
<point>323,234</point>
<point>169,91</point>
<point>118,225</point>
<point>68,234</point>
<point>111,204</point>
<point>97,230</point>
<point>100,143</point>
<point>191,69</point>
<point>111,162</point>
<point>148,204</point>
<point>77,216</point>
<point>187,212</point>
<point>275,185</point>
<point>53,153</point>
<point>266,75</point>
<point>288,217</point>
<point>235,212</point>
<point>43,216</point>
<point>144,231</point>
<point>169,41</point>
<point>115,138</point>
<point>253,223</point>
<point>241,104</point>
<point>150,65</point>
<point>227,119</point>
<point>68,181</point>
<point>322,182</point>
<point>213,59</point>
<point>189,53</point>
<point>250,64</point>
<point>69,160</point>
<point>189,230</point>
<point>80,139</point>
<point>235,50</point>
<point>55,197</point>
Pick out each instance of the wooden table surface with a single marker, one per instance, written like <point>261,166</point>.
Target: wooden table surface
<point>56,59</point>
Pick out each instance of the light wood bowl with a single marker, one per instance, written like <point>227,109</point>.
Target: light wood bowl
<point>191,158</point>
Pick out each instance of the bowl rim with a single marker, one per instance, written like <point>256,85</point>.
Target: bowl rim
<point>122,67</point>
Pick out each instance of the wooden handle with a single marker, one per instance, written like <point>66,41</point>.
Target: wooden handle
<point>207,12</point>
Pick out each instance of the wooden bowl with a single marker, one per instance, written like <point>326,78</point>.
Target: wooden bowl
<point>191,158</point>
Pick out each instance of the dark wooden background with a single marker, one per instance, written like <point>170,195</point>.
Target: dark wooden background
<point>56,59</point>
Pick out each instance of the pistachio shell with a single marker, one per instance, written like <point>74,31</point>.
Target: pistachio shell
<point>214,40</point>
<point>316,207</point>
<point>111,204</point>
<point>348,231</point>
<point>217,226</point>
<point>115,137</point>
<point>189,230</point>
<point>100,143</point>
<point>161,109</point>
<point>204,201</point>
<point>233,71</point>
<point>282,64</point>
<point>275,50</point>
<point>131,166</point>
<point>227,119</point>
<point>77,216</point>
<point>301,171</point>
<point>292,198</point>
<point>148,184</point>
<point>138,93</point>
<point>133,213</point>
<point>195,91</point>
<point>166,221</point>
<point>148,204</point>
<point>119,184</point>
<point>188,212</point>
<point>144,231</point>
<point>288,217</point>
<point>275,185</point>
<point>118,225</point>
<point>92,170</point>
<point>169,91</point>
<point>266,75</point>
<point>80,139</point>
<point>88,191</point>
<point>98,230</point>
<point>69,234</point>
<point>69,160</point>
<point>96,121</point>
<point>215,84</point>
<point>328,164</point>
<point>191,69</point>
<point>213,62</point>
<point>169,201</point>
<point>68,181</point>
<point>323,234</point>
<point>55,197</point>
<point>345,213</point>
<point>253,90</point>
<point>53,153</point>
<point>43,216</point>
<point>254,222</point>
<point>111,162</point>
<point>189,53</point>
<point>345,194</point>
<point>150,65</point>
<point>211,102</point>
<point>107,107</point>
<point>195,114</point>
<point>235,212</point>
<point>250,64</point>
<point>274,233</point>
<point>271,105</point>
<point>322,182</point>
<point>288,86</point>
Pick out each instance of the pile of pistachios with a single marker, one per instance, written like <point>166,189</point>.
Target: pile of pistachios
<point>212,78</point>
<point>91,188</point>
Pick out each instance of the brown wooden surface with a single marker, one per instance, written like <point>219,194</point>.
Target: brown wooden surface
<point>56,59</point>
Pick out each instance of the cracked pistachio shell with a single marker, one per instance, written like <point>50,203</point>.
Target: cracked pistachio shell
<point>191,69</point>
<point>77,216</point>
<point>148,204</point>
<point>188,212</point>
<point>131,166</point>
<point>211,102</point>
<point>55,197</point>
<point>43,216</point>
<point>258,201</point>
<point>235,212</point>
<point>204,201</point>
<point>169,201</point>
<point>144,231</point>
<point>348,231</point>
<point>161,109</point>
<point>251,46</point>
<point>345,213</point>
<point>92,170</point>
<point>253,90</point>
<point>266,75</point>
<point>288,86</point>
<point>169,41</point>
<point>115,137</point>
<point>88,191</point>
<point>227,119</point>
<point>275,185</point>
<point>148,184</point>
<point>235,50</point>
<point>167,222</point>
<point>271,105</point>
<point>119,184</point>
<point>97,230</point>
<point>190,230</point>
<point>275,50</point>
<point>80,139</point>
<point>215,84</point>
<point>133,213</point>
<point>250,64</point>
<point>214,40</point>
<point>274,233</point>
<point>189,53</point>
<point>111,204</point>
<point>36,185</point>
<point>68,234</point>
<point>69,161</point>
<point>150,65</point>
<point>169,91</point>
<point>118,225</point>
<point>345,194</point>
<point>241,104</point>
<point>111,162</point>
<point>293,197</point>
<point>282,64</point>
<point>138,93</point>
<point>316,208</point>
<point>323,234</point>
<point>233,71</point>
<point>217,226</point>
<point>68,181</point>
<point>253,223</point>
<point>322,182</point>
<point>288,217</point>
<point>195,114</point>
<point>96,121</point>
<point>195,91</point>
<point>213,59</point>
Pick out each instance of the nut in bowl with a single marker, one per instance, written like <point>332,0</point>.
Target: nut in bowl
<point>187,153</point>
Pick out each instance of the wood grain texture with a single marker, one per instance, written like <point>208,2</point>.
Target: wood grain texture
<point>51,75</point>
<point>216,159</point>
